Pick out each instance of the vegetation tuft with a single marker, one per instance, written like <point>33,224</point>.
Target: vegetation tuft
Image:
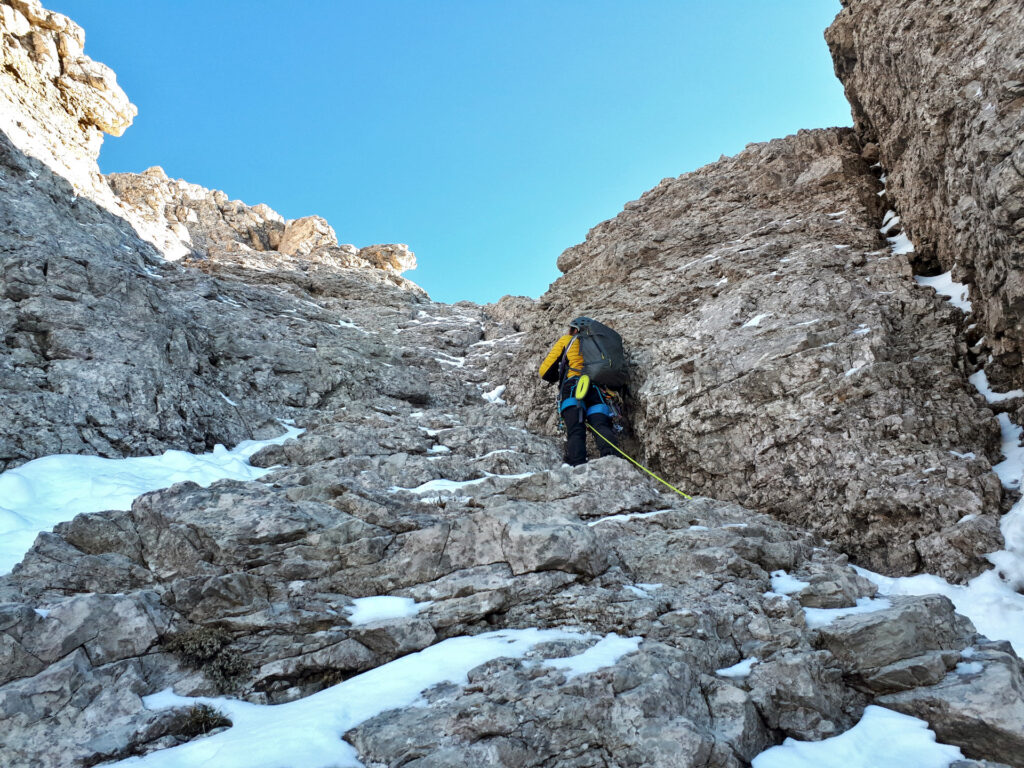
<point>207,649</point>
<point>202,719</point>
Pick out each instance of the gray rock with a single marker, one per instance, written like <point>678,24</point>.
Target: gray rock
<point>912,626</point>
<point>783,358</point>
<point>980,711</point>
<point>932,109</point>
<point>785,362</point>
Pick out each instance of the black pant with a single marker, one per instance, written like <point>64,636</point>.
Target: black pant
<point>576,418</point>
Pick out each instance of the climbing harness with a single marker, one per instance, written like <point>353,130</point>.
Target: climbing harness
<point>637,463</point>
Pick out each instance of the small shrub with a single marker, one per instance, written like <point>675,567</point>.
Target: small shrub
<point>227,670</point>
<point>196,647</point>
<point>206,649</point>
<point>201,719</point>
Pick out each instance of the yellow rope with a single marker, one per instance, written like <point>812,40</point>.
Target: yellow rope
<point>645,469</point>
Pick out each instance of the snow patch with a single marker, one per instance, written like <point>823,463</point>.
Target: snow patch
<point>604,653</point>
<point>755,321</point>
<point>821,617</point>
<point>36,496</point>
<point>368,609</point>
<point>494,396</point>
<point>622,518</point>
<point>958,294</point>
<point>969,668</point>
<point>784,584</point>
<point>742,669</point>
<point>451,486</point>
<point>308,732</point>
<point>1011,469</point>
<point>900,243</point>
<point>882,739</point>
<point>890,221</point>
<point>995,609</point>
<point>980,381</point>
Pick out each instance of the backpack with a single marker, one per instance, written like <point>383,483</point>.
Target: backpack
<point>603,358</point>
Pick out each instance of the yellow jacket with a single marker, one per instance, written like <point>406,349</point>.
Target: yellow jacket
<point>549,368</point>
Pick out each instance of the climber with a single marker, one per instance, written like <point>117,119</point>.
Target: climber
<point>577,362</point>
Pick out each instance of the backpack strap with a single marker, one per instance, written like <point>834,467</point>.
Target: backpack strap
<point>564,363</point>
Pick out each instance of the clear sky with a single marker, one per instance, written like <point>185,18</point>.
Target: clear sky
<point>487,135</point>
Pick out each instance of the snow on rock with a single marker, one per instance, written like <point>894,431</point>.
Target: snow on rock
<point>365,610</point>
<point>494,396</point>
<point>882,739</point>
<point>627,516</point>
<point>980,381</point>
<point>784,584</point>
<point>901,244</point>
<point>820,617</point>
<point>1011,469</point>
<point>741,669</point>
<point>604,653</point>
<point>992,600</point>
<point>308,733</point>
<point>958,294</point>
<point>442,485</point>
<point>36,496</point>
<point>995,609</point>
<point>755,321</point>
<point>890,221</point>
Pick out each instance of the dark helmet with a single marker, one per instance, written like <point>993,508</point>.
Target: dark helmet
<point>579,322</point>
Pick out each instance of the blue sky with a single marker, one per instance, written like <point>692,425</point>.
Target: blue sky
<point>489,136</point>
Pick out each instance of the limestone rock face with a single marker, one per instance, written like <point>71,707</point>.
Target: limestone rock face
<point>203,226</point>
<point>59,101</point>
<point>783,357</point>
<point>937,91</point>
<point>245,588</point>
<point>109,349</point>
<point>784,361</point>
<point>302,236</point>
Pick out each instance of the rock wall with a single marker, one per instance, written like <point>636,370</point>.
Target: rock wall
<point>109,348</point>
<point>244,589</point>
<point>59,101</point>
<point>937,90</point>
<point>784,358</point>
<point>208,225</point>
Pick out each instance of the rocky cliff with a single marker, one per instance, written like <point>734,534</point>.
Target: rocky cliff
<point>785,359</point>
<point>937,91</point>
<point>108,347</point>
<point>787,367</point>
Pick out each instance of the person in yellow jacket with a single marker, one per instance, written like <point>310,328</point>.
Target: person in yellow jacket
<point>564,366</point>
